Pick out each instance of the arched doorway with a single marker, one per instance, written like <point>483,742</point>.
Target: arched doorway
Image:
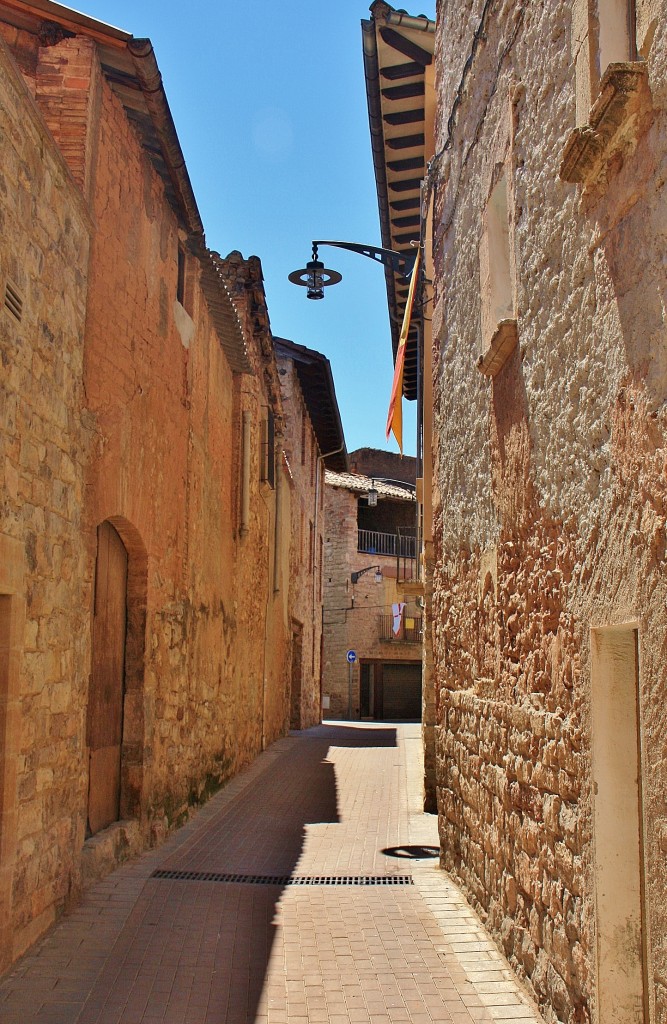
<point>107,680</point>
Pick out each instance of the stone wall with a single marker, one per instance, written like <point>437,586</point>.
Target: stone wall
<point>305,575</point>
<point>388,465</point>
<point>351,611</point>
<point>549,495</point>
<point>120,406</point>
<point>44,570</point>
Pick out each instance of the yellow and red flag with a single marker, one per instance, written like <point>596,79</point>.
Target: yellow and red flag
<point>395,414</point>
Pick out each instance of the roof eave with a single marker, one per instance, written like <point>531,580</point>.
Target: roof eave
<point>412,37</point>
<point>331,441</point>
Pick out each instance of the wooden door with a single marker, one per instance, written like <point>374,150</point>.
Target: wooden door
<point>105,702</point>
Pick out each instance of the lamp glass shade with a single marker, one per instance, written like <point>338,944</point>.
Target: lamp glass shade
<point>315,283</point>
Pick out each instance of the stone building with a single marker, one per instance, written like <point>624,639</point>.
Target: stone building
<point>314,442</point>
<point>550,496</point>
<point>145,564</point>
<point>369,603</point>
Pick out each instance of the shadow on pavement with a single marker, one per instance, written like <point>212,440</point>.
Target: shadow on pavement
<point>411,852</point>
<point>198,951</point>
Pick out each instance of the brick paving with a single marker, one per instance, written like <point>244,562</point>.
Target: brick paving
<point>337,800</point>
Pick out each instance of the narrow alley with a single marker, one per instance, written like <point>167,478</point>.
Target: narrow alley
<point>307,890</point>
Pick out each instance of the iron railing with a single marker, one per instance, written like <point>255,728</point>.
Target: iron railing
<point>401,545</point>
<point>410,631</point>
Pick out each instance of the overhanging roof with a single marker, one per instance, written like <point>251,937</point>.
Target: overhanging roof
<point>317,386</point>
<point>362,485</point>
<point>130,67</point>
<point>398,65</point>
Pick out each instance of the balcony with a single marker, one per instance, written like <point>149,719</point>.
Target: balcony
<point>410,631</point>
<point>401,545</point>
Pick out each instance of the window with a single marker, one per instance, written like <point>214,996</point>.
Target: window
<point>268,461</point>
<point>494,263</point>
<point>613,100</point>
<point>303,437</point>
<point>600,38</point>
<point>180,280</point>
<point>498,318</point>
<point>616,38</point>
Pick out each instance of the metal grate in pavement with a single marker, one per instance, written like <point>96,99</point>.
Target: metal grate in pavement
<point>222,876</point>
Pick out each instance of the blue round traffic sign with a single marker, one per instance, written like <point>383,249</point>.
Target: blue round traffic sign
<point>351,657</point>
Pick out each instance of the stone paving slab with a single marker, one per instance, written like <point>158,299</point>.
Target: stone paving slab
<point>338,800</point>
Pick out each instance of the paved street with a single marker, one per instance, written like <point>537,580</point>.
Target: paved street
<point>357,923</point>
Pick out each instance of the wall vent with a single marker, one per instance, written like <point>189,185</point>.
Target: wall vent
<point>13,300</point>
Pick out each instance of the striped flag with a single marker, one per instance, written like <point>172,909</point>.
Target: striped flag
<point>395,414</point>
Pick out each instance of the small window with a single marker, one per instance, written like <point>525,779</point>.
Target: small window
<point>180,281</point>
<point>268,449</point>
<point>303,437</point>
<point>494,263</point>
<point>600,38</point>
<point>616,32</point>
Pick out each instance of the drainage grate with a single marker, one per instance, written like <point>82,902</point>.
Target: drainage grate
<point>221,876</point>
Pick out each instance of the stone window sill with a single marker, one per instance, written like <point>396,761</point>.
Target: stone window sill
<point>617,119</point>
<point>503,342</point>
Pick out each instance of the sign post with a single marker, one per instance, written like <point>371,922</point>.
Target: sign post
<point>351,658</point>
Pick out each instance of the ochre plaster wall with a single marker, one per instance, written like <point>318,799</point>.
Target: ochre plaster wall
<point>550,497</point>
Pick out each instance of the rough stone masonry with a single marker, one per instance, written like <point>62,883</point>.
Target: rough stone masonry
<point>550,449</point>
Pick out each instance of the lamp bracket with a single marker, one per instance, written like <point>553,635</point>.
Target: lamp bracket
<point>355,575</point>
<point>400,262</point>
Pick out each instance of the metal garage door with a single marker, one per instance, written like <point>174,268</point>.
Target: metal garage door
<point>402,691</point>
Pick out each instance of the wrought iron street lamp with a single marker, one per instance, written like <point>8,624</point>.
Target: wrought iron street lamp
<point>316,277</point>
<point>361,572</point>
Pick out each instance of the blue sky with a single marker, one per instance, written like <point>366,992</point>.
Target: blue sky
<point>270,107</point>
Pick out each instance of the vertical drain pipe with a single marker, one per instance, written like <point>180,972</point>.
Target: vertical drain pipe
<point>245,495</point>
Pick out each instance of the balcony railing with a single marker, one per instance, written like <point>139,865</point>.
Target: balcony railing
<point>410,631</point>
<point>401,545</point>
<point>374,543</point>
